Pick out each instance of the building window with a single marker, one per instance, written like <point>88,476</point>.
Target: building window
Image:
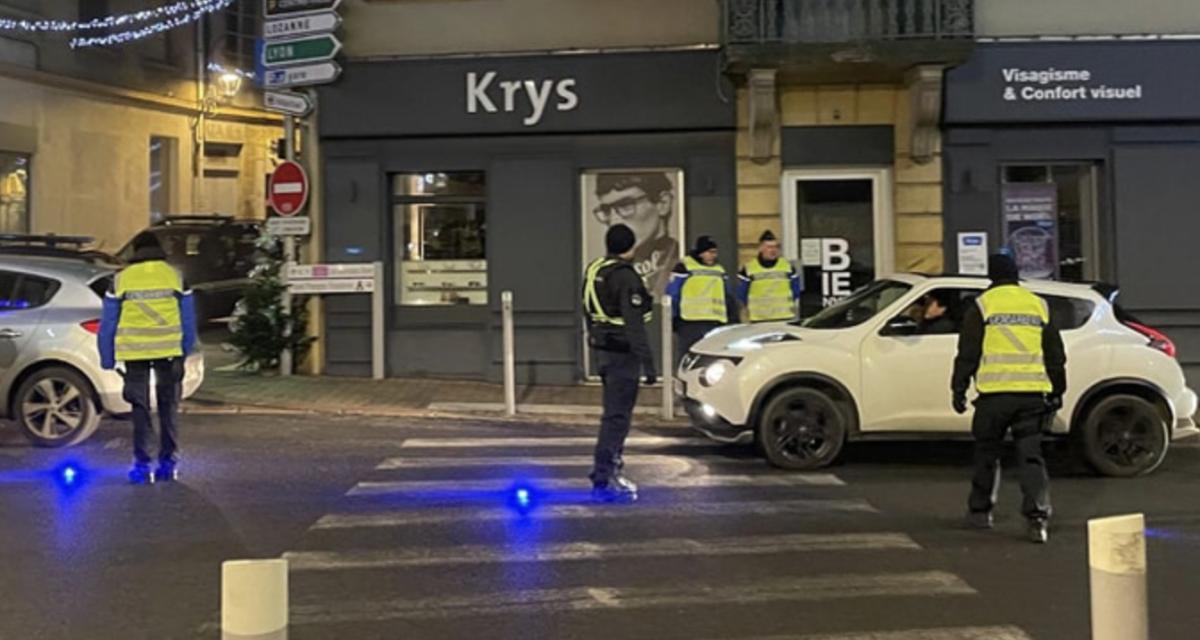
<point>14,192</point>
<point>1051,220</point>
<point>162,174</point>
<point>439,233</point>
<point>235,29</point>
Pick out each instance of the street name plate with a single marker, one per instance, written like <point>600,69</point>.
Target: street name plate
<point>299,226</point>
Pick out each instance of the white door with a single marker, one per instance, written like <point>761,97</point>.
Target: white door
<point>906,375</point>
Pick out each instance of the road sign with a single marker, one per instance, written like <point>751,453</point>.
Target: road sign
<point>294,104</point>
<point>358,285</point>
<point>298,226</point>
<point>276,8</point>
<point>305,75</point>
<point>288,189</point>
<point>330,278</point>
<point>312,49</point>
<point>305,25</point>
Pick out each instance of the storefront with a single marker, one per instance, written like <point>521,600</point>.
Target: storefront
<point>473,176</point>
<point>1081,157</point>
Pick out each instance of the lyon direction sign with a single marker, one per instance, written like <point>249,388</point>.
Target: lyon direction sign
<point>301,50</point>
<point>279,8</point>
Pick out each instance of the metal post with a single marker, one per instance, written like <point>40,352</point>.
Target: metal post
<point>510,360</point>
<point>1117,558</point>
<point>201,99</point>
<point>377,328</point>
<point>668,361</point>
<point>289,252</point>
<point>254,599</point>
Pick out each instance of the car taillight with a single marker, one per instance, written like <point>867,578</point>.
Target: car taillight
<point>91,326</point>
<point>1158,340</point>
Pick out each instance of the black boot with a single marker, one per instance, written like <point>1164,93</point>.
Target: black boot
<point>1039,530</point>
<point>979,520</point>
<point>618,488</point>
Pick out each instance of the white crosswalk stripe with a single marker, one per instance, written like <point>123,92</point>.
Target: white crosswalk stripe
<point>956,633</point>
<point>450,515</point>
<point>581,599</point>
<point>372,488</point>
<point>580,551</point>
<point>500,462</point>
<point>633,442</point>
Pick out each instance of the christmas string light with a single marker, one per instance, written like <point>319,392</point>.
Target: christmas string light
<point>202,9</point>
<point>175,9</point>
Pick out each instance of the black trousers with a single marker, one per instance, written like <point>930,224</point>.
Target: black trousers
<point>168,383</point>
<point>688,333</point>
<point>1025,414</point>
<point>620,373</point>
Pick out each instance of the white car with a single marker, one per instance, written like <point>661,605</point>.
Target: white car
<point>861,369</point>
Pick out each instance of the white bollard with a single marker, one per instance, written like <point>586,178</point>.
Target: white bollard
<point>668,361</point>
<point>254,600</point>
<point>1117,558</point>
<point>510,358</point>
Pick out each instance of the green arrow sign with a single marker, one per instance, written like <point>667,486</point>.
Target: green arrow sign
<point>301,50</point>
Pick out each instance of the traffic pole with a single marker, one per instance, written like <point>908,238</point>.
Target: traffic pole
<point>254,600</point>
<point>289,251</point>
<point>510,358</point>
<point>668,361</point>
<point>1117,559</point>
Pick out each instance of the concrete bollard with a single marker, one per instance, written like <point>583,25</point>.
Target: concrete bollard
<point>1117,558</point>
<point>254,600</point>
<point>510,357</point>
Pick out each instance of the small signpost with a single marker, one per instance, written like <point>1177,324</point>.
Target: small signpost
<point>276,8</point>
<point>307,50</point>
<point>289,102</point>
<point>305,75</point>
<point>365,277</point>
<point>297,226</point>
<point>304,25</point>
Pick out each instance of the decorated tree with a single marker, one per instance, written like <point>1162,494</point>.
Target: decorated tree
<point>259,321</point>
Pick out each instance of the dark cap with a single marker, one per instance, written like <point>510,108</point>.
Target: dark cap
<point>704,243</point>
<point>767,236</point>
<point>1002,268</point>
<point>146,241</point>
<point>619,239</point>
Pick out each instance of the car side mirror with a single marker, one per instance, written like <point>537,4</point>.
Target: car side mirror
<point>900,326</point>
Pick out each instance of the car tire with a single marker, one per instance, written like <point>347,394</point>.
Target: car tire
<point>801,429</point>
<point>56,407</point>
<point>1124,436</point>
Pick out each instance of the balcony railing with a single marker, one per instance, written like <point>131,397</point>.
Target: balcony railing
<point>749,22</point>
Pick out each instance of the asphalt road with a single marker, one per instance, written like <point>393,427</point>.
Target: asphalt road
<point>407,529</point>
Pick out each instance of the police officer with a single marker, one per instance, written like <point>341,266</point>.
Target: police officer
<point>701,293</point>
<point>148,323</point>
<point>1015,354</point>
<point>617,307</point>
<point>767,286</point>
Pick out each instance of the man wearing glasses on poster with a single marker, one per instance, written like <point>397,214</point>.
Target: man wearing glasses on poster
<point>645,203</point>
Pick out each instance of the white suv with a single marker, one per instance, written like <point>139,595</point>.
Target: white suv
<point>863,369</point>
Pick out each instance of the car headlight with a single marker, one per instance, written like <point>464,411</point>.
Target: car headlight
<point>714,373</point>
<point>758,342</point>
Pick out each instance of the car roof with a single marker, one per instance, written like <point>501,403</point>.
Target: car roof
<point>53,267</point>
<point>1050,287</point>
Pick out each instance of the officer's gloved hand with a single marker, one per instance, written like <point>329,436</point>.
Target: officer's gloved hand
<point>651,378</point>
<point>960,403</point>
<point>1054,402</point>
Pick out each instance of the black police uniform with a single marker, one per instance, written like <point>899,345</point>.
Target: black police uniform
<point>623,355</point>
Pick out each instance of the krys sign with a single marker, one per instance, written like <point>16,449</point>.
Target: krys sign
<point>488,93</point>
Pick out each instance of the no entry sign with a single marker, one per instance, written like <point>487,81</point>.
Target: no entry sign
<point>289,189</point>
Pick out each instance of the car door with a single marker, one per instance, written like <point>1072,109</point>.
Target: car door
<point>21,306</point>
<point>906,373</point>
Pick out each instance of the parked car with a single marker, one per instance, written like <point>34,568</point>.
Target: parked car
<point>215,255</point>
<point>55,246</point>
<point>859,370</point>
<point>51,382</point>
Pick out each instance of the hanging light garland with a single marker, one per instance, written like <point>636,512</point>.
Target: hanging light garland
<point>137,25</point>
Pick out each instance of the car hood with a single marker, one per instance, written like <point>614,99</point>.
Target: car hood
<point>741,338</point>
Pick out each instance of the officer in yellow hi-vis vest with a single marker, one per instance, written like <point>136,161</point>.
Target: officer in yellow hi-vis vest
<point>701,295</point>
<point>1013,350</point>
<point>149,323</point>
<point>617,308</point>
<point>769,286</point>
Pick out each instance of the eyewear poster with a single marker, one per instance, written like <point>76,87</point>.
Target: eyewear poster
<point>1030,219</point>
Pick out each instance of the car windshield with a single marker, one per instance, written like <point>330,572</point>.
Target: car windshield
<point>861,306</point>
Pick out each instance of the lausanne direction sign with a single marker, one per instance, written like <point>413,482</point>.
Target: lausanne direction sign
<point>302,25</point>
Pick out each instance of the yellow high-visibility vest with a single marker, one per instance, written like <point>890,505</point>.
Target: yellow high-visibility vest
<point>770,296</point>
<point>702,298</point>
<point>591,300</point>
<point>1012,360</point>
<point>151,326</point>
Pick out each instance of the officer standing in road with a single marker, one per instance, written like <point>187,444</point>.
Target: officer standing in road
<point>767,286</point>
<point>149,323</point>
<point>1009,345</point>
<point>700,291</point>
<point>617,307</point>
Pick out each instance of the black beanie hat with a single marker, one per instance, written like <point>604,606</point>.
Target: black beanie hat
<point>1002,268</point>
<point>767,236</point>
<point>146,241</point>
<point>619,239</point>
<point>704,243</point>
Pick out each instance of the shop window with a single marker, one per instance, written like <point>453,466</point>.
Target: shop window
<point>14,192</point>
<point>439,234</point>
<point>1051,220</point>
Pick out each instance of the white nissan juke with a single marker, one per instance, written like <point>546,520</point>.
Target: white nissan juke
<point>863,369</point>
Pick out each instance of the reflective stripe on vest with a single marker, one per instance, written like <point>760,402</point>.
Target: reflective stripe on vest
<point>591,300</point>
<point>1012,360</point>
<point>770,297</point>
<point>703,296</point>
<point>151,326</point>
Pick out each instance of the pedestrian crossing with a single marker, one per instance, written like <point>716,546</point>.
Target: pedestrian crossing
<point>432,540</point>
